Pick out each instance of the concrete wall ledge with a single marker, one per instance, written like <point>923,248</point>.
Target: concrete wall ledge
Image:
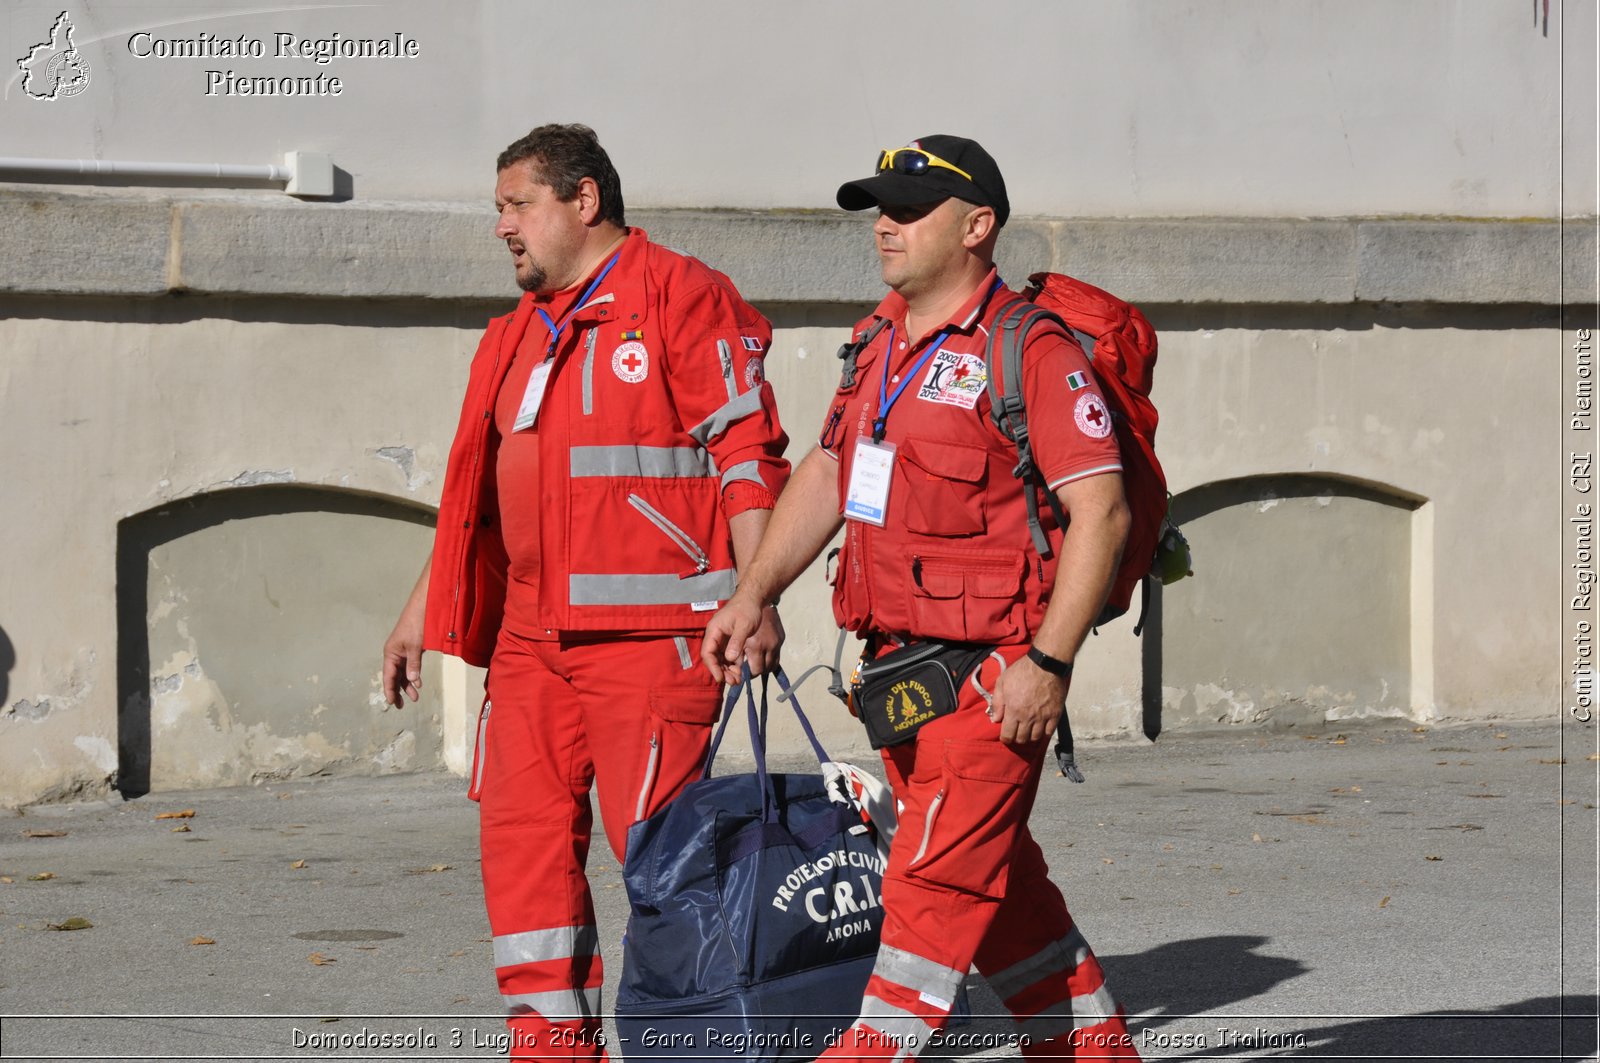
<point>131,244</point>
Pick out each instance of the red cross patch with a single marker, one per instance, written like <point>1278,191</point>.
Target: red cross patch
<point>631,362</point>
<point>1094,420</point>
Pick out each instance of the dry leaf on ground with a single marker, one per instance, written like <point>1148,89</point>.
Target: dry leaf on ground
<point>44,834</point>
<point>203,940</point>
<point>1552,760</point>
<point>187,813</point>
<point>429,870</point>
<point>77,922</point>
<point>43,876</point>
<point>1384,903</point>
<point>298,865</point>
<point>320,960</point>
<point>1433,858</point>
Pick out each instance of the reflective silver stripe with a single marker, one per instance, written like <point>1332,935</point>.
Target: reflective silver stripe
<point>1059,957</point>
<point>558,1005</point>
<point>894,1022</point>
<point>658,463</point>
<point>725,355</point>
<point>673,532</point>
<point>1087,1010</point>
<point>588,372</point>
<point>683,652</point>
<point>623,589</point>
<point>729,412</point>
<point>745,470</point>
<point>917,972</point>
<point>556,943</point>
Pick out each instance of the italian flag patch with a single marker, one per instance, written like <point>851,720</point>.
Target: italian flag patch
<point>1077,381</point>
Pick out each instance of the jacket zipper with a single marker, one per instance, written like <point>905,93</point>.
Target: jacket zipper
<point>480,751</point>
<point>927,826</point>
<point>649,776</point>
<point>673,532</point>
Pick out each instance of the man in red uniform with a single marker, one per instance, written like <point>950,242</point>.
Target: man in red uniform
<point>936,549</point>
<point>617,456</point>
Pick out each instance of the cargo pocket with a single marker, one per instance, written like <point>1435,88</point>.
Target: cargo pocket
<point>944,487</point>
<point>680,730</point>
<point>967,597</point>
<point>480,754</point>
<point>971,826</point>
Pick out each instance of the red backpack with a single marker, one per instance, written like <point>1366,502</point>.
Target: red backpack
<point>1122,352</point>
<point>1121,347</point>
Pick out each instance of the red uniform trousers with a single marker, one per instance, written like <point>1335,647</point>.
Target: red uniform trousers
<point>632,714</point>
<point>966,883</point>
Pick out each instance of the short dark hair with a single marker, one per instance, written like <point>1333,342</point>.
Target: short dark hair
<point>565,155</point>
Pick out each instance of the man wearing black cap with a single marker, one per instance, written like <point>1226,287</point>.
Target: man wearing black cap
<point>970,632</point>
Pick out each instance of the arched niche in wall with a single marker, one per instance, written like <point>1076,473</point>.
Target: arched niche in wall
<point>1302,608</point>
<point>250,628</point>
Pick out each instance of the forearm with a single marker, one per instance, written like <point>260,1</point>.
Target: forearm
<point>746,530</point>
<point>1088,560</point>
<point>805,518</point>
<point>417,603</point>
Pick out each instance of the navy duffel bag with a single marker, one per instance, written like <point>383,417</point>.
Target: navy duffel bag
<point>755,913</point>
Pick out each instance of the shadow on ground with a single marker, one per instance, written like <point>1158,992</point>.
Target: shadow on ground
<point>1188,994</point>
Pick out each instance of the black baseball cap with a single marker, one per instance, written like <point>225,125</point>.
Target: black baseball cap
<point>929,169</point>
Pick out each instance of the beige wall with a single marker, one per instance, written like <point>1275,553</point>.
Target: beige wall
<point>1413,585</point>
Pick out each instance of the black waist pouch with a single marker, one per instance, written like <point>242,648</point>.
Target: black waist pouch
<point>896,694</point>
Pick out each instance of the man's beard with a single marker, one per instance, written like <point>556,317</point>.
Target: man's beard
<point>533,278</point>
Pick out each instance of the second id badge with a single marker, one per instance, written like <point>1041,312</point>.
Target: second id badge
<point>871,471</point>
<point>532,398</point>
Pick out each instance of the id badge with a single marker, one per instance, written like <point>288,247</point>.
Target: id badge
<point>528,412</point>
<point>871,470</point>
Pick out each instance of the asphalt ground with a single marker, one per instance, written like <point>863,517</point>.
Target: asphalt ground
<point>1374,893</point>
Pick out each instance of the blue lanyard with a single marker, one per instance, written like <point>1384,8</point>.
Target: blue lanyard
<point>555,329</point>
<point>886,401</point>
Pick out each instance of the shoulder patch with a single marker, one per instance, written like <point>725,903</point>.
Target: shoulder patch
<point>1091,415</point>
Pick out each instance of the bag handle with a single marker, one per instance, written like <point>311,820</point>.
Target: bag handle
<point>758,731</point>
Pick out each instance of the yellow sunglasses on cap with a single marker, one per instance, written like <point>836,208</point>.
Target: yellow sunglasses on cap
<point>914,162</point>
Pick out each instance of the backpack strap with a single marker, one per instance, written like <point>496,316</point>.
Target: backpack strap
<point>849,352</point>
<point>1009,413</point>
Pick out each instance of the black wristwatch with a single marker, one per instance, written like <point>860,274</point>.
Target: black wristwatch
<point>1049,663</point>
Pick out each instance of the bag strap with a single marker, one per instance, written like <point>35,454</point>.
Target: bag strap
<point>849,352</point>
<point>758,731</point>
<point>1010,414</point>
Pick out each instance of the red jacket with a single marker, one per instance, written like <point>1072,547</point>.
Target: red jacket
<point>656,427</point>
<point>954,559</point>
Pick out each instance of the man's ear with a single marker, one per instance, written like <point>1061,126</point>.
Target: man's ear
<point>587,199</point>
<point>977,227</point>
